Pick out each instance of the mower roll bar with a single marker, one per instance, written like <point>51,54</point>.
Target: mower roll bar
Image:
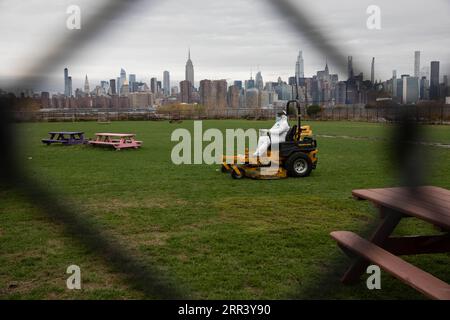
<point>297,104</point>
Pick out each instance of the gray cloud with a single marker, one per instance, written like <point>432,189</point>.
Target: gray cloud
<point>228,38</point>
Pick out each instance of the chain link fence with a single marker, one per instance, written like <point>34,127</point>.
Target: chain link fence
<point>151,281</point>
<point>422,114</point>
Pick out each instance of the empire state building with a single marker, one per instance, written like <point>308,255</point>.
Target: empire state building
<point>189,70</point>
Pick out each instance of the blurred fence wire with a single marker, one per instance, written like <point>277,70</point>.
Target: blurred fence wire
<point>401,148</point>
<point>148,279</point>
<point>141,276</point>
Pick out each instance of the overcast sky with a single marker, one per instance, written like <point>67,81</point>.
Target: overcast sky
<point>228,38</point>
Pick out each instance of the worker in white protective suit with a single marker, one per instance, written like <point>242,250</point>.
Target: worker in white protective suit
<point>274,135</point>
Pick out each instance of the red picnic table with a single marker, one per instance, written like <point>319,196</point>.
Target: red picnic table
<point>428,203</point>
<point>116,140</point>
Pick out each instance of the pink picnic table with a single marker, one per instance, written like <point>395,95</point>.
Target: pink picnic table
<point>116,140</point>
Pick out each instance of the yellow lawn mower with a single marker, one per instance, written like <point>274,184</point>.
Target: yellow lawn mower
<point>295,157</point>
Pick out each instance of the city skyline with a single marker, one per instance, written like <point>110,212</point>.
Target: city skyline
<point>324,88</point>
<point>299,64</point>
<point>419,70</point>
<point>233,38</point>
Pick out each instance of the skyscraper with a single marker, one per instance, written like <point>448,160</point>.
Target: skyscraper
<point>394,83</point>
<point>158,86</point>
<point>372,71</point>
<point>69,85</point>
<point>112,86</point>
<point>125,89</point>
<point>445,92</point>
<point>206,93</point>
<point>213,94</point>
<point>131,81</point>
<point>189,72</point>
<point>185,91</point>
<point>259,83</point>
<point>252,98</point>
<point>233,96</point>
<point>154,85</point>
<point>249,84</point>
<point>66,82</point>
<point>350,67</point>
<point>221,87</point>
<point>123,77</point>
<point>417,64</point>
<point>166,83</point>
<point>434,80</point>
<point>411,90</point>
<point>86,85</point>
<point>238,83</point>
<point>299,67</point>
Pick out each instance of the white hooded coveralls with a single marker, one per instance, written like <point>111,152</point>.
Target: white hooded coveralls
<point>276,134</point>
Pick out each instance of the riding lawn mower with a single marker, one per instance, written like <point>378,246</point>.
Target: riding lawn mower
<point>295,157</point>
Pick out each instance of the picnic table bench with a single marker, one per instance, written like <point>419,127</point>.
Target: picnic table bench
<point>116,140</point>
<point>65,137</point>
<point>428,203</point>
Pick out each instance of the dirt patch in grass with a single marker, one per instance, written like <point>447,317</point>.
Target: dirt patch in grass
<point>115,204</point>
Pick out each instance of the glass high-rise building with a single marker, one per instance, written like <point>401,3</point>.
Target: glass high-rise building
<point>434,80</point>
<point>69,85</point>
<point>123,77</point>
<point>410,90</point>
<point>238,83</point>
<point>154,85</point>
<point>259,84</point>
<point>131,81</point>
<point>166,83</point>
<point>112,86</point>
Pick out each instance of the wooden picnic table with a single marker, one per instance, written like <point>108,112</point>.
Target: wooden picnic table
<point>116,140</point>
<point>428,203</point>
<point>65,137</point>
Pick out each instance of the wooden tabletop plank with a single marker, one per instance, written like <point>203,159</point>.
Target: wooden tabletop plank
<point>419,198</point>
<point>425,195</point>
<point>66,132</point>
<point>438,192</point>
<point>116,134</point>
<point>436,213</point>
<point>383,197</point>
<point>433,193</point>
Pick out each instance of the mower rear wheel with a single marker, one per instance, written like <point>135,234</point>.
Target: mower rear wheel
<point>239,175</point>
<point>298,165</point>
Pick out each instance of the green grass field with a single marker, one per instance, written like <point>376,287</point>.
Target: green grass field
<point>217,238</point>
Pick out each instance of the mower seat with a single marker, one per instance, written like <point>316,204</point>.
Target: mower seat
<point>291,133</point>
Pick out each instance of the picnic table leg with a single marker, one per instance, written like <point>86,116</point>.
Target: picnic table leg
<point>389,220</point>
